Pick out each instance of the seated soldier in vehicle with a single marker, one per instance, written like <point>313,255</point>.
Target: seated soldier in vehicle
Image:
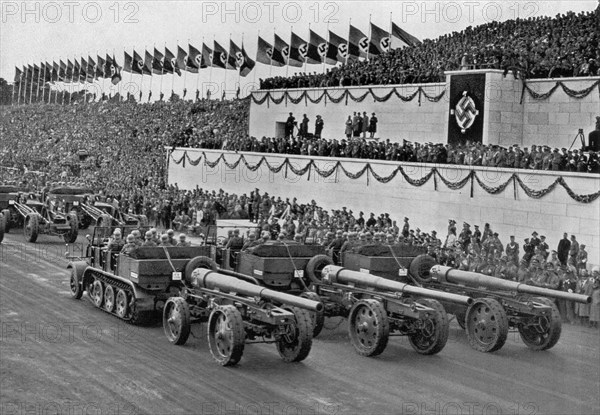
<point>250,242</point>
<point>149,239</point>
<point>116,243</point>
<point>183,241</point>
<point>235,242</point>
<point>171,237</point>
<point>155,236</point>
<point>137,237</point>
<point>164,240</point>
<point>130,246</point>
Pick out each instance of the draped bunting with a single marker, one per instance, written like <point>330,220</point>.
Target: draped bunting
<point>345,95</point>
<point>472,176</point>
<point>570,92</point>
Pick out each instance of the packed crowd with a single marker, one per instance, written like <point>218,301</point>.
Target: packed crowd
<point>537,47</point>
<point>356,145</point>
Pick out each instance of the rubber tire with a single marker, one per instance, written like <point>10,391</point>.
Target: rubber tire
<point>442,329</point>
<point>317,317</point>
<point>553,332</point>
<point>75,285</point>
<point>2,226</point>
<point>238,335</point>
<point>299,348</point>
<point>497,314</point>
<point>184,317</point>
<point>109,298</point>
<point>198,262</point>
<point>121,294</point>
<point>71,236</point>
<point>6,214</point>
<point>315,266</point>
<point>420,266</point>
<point>34,225</point>
<point>381,330</point>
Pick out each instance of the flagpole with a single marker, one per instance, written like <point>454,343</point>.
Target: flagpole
<point>151,72</point>
<point>12,97</point>
<point>239,69</point>
<point>370,34</point>
<point>391,37</point>
<point>256,66</point>
<point>184,68</point>
<point>198,74</point>
<point>211,62</point>
<point>31,84</point>
<point>287,67</point>
<point>162,72</point>
<point>20,82</point>
<point>348,42</point>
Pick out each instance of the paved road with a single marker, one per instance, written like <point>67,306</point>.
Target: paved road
<point>60,355</point>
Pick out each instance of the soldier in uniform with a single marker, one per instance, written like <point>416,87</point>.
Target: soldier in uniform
<point>155,236</point>
<point>582,257</point>
<point>170,237</point>
<point>183,240</point>
<point>130,246</point>
<point>116,243</point>
<point>319,126</point>
<point>149,239</point>
<point>137,235</point>
<point>235,242</point>
<point>544,247</point>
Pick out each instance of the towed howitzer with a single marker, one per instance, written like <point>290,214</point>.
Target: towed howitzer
<point>376,306</point>
<point>238,311</point>
<point>499,305</point>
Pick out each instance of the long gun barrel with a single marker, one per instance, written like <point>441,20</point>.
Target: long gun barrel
<point>205,278</point>
<point>333,274</point>
<point>441,273</point>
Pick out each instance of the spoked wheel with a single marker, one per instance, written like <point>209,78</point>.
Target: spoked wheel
<point>295,341</point>
<point>317,317</point>
<point>368,327</point>
<point>433,333</point>
<point>31,228</point>
<point>226,335</point>
<point>97,293</point>
<point>109,298</point>
<point>176,320</point>
<point>487,325</point>
<point>74,285</point>
<point>121,305</point>
<point>542,332</point>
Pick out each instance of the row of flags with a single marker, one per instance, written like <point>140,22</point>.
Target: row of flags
<point>297,52</point>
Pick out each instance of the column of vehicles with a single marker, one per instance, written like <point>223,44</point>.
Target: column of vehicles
<point>62,212</point>
<point>282,292</point>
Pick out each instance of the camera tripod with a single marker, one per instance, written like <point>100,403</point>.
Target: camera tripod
<point>581,138</point>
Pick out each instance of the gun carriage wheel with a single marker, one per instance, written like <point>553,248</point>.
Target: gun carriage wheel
<point>226,335</point>
<point>432,335</point>
<point>31,228</point>
<point>487,325</point>
<point>542,332</point>
<point>5,221</point>
<point>74,285</point>
<point>368,327</point>
<point>176,320</point>
<point>295,341</point>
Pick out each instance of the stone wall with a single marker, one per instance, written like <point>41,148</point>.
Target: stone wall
<point>511,212</point>
<point>553,121</point>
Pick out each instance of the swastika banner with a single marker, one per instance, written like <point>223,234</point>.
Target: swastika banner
<point>465,113</point>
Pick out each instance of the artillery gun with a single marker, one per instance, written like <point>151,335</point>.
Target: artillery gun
<point>90,210</point>
<point>238,311</point>
<point>131,286</point>
<point>10,217</point>
<point>499,305</point>
<point>376,307</point>
<point>38,217</point>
